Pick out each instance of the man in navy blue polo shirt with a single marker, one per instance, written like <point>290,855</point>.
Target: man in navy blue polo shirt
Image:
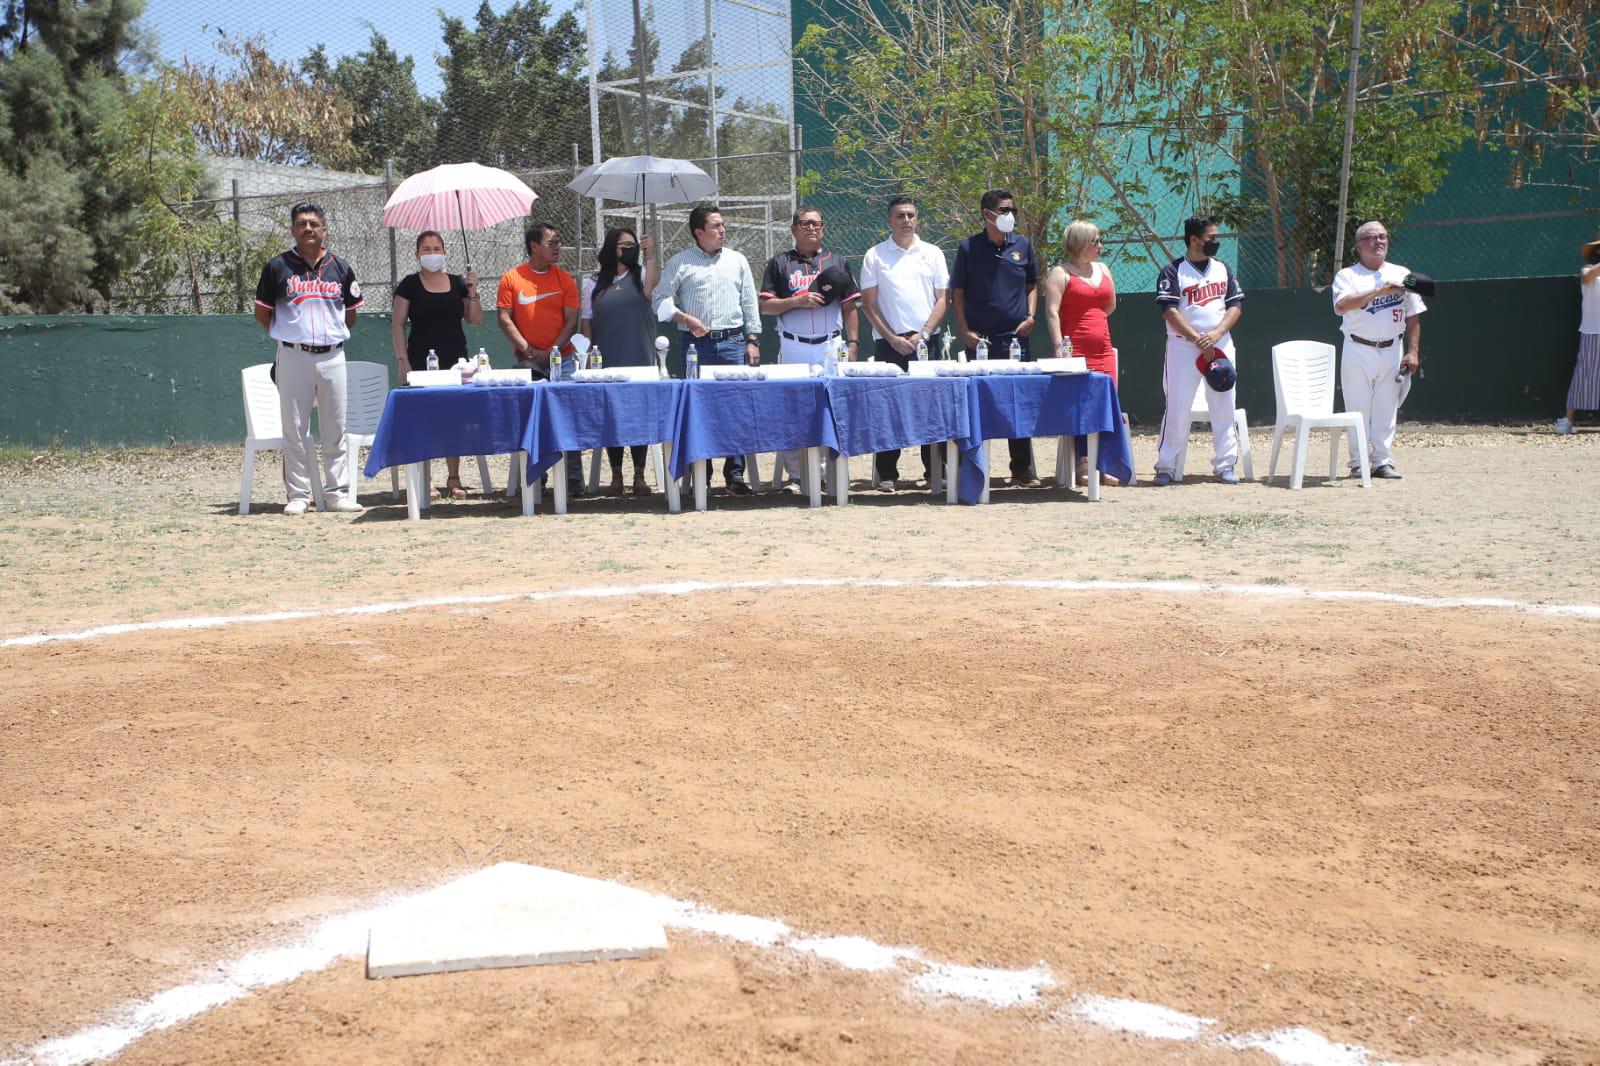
<point>993,289</point>
<point>306,300</point>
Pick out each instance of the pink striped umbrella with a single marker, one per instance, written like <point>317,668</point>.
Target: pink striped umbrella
<point>459,196</point>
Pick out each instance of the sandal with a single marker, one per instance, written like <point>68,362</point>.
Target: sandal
<point>453,486</point>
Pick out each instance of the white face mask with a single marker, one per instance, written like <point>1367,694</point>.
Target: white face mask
<point>1005,223</point>
<point>431,262</point>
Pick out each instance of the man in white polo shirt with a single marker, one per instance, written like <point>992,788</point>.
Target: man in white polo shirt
<point>306,300</point>
<point>905,289</point>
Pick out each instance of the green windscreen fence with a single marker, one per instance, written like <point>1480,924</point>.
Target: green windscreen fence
<point>1493,351</point>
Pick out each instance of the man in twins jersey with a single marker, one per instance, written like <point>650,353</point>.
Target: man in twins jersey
<point>306,301</point>
<point>1200,301</point>
<point>808,320</point>
<point>1375,366</point>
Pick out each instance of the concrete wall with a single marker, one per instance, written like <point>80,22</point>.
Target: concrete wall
<point>1495,351</point>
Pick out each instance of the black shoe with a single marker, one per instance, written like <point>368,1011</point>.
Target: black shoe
<point>739,488</point>
<point>1388,473</point>
<point>576,489</point>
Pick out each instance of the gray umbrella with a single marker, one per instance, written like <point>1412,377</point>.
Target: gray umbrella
<point>645,179</point>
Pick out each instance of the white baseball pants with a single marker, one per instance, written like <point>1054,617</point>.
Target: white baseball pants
<point>306,380</point>
<point>1366,374</point>
<point>1179,378</point>
<point>792,463</point>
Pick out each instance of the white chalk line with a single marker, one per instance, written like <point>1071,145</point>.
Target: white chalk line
<point>345,936</point>
<point>684,588</point>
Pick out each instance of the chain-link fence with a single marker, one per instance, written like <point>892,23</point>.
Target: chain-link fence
<point>543,94</point>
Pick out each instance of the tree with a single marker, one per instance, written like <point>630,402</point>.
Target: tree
<point>1543,59</point>
<point>184,244</point>
<point>1197,67</point>
<point>514,91</point>
<point>253,106</point>
<point>392,120</point>
<point>949,98</point>
<point>64,220</point>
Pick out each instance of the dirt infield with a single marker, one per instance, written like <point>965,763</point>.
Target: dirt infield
<point>1378,821</point>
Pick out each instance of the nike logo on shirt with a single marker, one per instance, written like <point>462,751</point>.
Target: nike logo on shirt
<point>525,300</point>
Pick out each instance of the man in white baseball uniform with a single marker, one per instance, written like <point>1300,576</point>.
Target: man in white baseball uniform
<point>1382,334</point>
<point>1200,301</point>
<point>809,319</point>
<point>306,300</point>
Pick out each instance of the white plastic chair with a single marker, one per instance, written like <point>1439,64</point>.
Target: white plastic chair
<point>366,388</point>
<point>263,431</point>
<point>1200,414</point>
<point>1302,380</point>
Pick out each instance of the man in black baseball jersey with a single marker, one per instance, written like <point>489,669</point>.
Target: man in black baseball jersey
<point>814,296</point>
<point>306,301</point>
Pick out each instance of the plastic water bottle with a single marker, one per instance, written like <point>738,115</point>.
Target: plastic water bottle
<point>433,359</point>
<point>830,360</point>
<point>596,362</point>
<point>1015,353</point>
<point>983,349</point>
<point>483,359</point>
<point>922,349</point>
<point>1064,349</point>
<point>691,363</point>
<point>555,365</point>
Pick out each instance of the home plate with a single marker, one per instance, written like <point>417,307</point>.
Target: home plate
<point>513,915</point>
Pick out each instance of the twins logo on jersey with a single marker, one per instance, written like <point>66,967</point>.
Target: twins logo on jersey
<point>1205,292</point>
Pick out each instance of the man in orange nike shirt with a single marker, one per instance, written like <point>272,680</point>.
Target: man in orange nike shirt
<point>538,312</point>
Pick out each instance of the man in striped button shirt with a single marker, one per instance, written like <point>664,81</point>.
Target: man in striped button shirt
<point>712,296</point>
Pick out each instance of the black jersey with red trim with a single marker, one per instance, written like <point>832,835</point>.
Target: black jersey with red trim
<point>308,302</point>
<point>789,274</point>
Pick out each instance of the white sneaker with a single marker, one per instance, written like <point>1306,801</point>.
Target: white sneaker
<point>1563,425</point>
<point>345,505</point>
<point>295,507</point>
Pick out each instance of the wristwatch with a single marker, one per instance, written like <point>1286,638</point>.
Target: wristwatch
<point>752,338</point>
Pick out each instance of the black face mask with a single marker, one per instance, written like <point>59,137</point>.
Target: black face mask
<point>629,256</point>
<point>1211,247</point>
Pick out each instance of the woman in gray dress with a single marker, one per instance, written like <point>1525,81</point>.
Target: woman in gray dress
<point>616,317</point>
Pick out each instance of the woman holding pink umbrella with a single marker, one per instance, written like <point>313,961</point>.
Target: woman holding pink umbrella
<point>435,304</point>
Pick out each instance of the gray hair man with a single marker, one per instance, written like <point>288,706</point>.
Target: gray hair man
<point>1382,337</point>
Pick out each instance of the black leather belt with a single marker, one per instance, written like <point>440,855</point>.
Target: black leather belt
<point>811,340</point>
<point>723,334</point>
<point>314,349</point>
<point>1371,344</point>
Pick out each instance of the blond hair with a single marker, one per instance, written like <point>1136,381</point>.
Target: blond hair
<point>1079,235</point>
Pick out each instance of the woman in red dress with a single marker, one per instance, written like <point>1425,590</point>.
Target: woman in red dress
<point>1078,296</point>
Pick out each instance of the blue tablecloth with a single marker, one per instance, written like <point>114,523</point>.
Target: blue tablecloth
<point>1041,405</point>
<point>720,418</point>
<point>886,414</point>
<point>432,423</point>
<point>575,415</point>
